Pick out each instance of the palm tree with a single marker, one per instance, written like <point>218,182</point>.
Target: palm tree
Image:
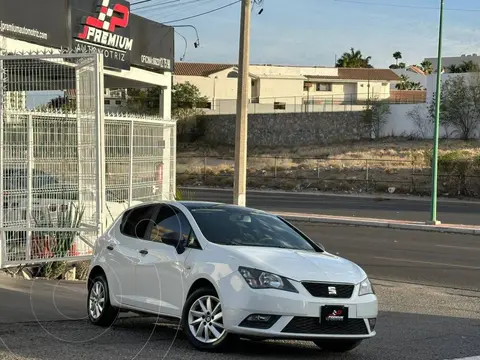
<point>454,69</point>
<point>354,59</point>
<point>469,66</point>
<point>406,84</point>
<point>427,67</point>
<point>397,55</point>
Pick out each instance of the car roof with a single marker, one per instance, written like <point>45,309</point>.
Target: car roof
<point>194,205</point>
<point>197,205</point>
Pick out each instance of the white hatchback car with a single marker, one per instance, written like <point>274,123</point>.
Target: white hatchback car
<point>228,272</point>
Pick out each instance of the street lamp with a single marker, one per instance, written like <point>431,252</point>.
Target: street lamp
<point>433,218</point>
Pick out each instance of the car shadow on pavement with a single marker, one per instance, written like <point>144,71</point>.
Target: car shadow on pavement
<point>399,336</point>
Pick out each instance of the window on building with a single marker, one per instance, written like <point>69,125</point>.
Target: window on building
<point>324,87</point>
<point>279,105</point>
<point>106,102</point>
<point>307,86</point>
<point>118,102</point>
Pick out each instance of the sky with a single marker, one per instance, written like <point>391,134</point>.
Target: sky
<point>314,32</point>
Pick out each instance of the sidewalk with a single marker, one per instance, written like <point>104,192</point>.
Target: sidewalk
<point>382,223</point>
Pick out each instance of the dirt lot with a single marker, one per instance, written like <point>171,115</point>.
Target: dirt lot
<point>398,165</point>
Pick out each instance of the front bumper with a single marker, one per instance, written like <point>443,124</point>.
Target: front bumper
<point>298,313</point>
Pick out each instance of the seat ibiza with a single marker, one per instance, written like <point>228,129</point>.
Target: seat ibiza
<point>228,272</point>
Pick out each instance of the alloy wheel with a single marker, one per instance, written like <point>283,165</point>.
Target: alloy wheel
<point>205,319</point>
<point>97,300</point>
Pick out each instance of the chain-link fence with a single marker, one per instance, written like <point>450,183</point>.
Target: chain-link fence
<point>313,102</point>
<point>68,169</point>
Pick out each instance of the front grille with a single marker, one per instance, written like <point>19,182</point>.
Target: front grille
<point>343,291</point>
<point>312,325</point>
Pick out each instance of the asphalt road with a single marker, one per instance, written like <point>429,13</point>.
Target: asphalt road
<point>396,209</point>
<point>46,320</point>
<point>427,258</point>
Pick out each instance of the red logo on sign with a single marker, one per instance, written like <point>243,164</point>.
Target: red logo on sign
<point>107,19</point>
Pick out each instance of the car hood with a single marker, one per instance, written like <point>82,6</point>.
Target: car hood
<point>300,265</point>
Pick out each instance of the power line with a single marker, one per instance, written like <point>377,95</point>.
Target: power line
<point>173,3</point>
<point>190,6</point>
<point>404,6</point>
<point>204,13</point>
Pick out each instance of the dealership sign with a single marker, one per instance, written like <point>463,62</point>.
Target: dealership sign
<point>91,26</point>
<point>108,32</point>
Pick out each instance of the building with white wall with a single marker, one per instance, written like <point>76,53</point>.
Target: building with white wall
<point>288,88</point>
<point>454,60</point>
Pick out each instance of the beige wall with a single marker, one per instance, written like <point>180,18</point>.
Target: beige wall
<point>217,86</point>
<point>339,92</point>
<point>280,90</point>
<point>292,70</point>
<point>377,89</point>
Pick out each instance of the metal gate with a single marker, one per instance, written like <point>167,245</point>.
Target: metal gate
<point>52,167</point>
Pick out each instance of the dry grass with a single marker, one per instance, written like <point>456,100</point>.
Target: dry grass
<point>388,148</point>
<point>370,166</point>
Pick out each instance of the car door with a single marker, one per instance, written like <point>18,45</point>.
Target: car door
<point>122,253</point>
<point>160,270</point>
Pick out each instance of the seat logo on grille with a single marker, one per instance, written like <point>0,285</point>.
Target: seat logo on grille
<point>332,290</point>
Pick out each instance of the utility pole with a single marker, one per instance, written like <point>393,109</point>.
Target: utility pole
<point>433,218</point>
<point>240,177</point>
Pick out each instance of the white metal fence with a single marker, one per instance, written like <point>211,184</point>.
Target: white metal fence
<point>67,170</point>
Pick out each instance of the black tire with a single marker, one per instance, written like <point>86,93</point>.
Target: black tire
<point>109,314</point>
<point>337,346</point>
<point>224,342</point>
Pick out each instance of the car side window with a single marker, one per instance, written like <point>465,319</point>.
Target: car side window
<point>170,219</point>
<point>135,221</point>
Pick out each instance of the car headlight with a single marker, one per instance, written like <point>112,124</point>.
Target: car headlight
<point>258,279</point>
<point>366,288</point>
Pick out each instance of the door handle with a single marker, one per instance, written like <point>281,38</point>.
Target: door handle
<point>110,247</point>
<point>143,252</point>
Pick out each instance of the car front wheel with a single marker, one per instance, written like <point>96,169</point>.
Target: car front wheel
<point>100,311</point>
<point>203,321</point>
<point>338,346</point>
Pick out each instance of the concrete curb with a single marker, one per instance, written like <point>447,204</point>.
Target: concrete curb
<point>381,223</point>
<point>377,197</point>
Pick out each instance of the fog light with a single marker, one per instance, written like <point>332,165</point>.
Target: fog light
<point>259,318</point>
<point>259,321</point>
<point>372,323</point>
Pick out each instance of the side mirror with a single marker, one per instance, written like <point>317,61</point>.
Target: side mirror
<point>174,239</point>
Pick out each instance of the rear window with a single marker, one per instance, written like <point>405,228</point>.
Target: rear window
<point>135,221</point>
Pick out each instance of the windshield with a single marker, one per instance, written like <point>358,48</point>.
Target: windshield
<point>233,226</point>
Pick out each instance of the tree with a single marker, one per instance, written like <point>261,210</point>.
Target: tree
<point>466,67</point>
<point>402,65</point>
<point>454,69</point>
<point>397,55</point>
<point>375,116</point>
<point>460,105</point>
<point>406,84</point>
<point>186,96</point>
<point>427,67</point>
<point>144,101</point>
<point>147,101</point>
<point>354,59</point>
<point>187,103</point>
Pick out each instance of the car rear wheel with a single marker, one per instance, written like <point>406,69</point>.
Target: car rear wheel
<point>203,321</point>
<point>338,346</point>
<point>100,310</point>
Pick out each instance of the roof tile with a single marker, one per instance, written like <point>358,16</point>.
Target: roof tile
<point>199,69</point>
<point>205,69</point>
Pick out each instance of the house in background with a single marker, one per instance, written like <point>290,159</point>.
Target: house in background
<point>454,60</point>
<point>287,88</point>
<point>414,74</point>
